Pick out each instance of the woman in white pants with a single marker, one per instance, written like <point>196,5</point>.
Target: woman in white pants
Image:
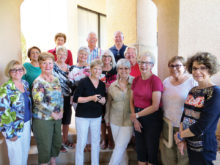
<point>15,113</point>
<point>118,112</point>
<point>90,96</point>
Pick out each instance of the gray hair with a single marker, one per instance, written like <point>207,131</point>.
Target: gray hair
<point>109,52</point>
<point>83,48</point>
<point>123,62</point>
<point>90,33</point>
<point>130,47</point>
<point>122,35</point>
<point>147,54</point>
<point>61,48</point>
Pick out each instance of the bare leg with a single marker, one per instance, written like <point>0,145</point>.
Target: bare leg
<point>142,163</point>
<point>65,132</point>
<point>110,138</point>
<point>103,133</point>
<point>53,161</point>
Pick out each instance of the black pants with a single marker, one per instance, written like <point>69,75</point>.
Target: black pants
<point>147,142</point>
<point>198,158</point>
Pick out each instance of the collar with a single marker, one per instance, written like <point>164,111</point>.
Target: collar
<point>130,79</point>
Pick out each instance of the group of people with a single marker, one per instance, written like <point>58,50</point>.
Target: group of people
<point>115,96</point>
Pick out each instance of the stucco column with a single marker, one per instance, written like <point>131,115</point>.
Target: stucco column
<point>147,28</point>
<point>10,46</point>
<point>10,32</point>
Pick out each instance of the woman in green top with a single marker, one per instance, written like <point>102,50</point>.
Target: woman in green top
<point>32,69</point>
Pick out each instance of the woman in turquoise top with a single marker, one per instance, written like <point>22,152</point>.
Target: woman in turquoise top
<point>32,69</point>
<point>15,113</point>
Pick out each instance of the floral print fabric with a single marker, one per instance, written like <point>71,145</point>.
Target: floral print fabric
<point>12,108</point>
<point>47,98</point>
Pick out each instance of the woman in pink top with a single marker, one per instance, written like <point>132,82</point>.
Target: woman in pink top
<point>146,113</point>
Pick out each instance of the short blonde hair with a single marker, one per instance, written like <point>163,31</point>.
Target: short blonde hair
<point>44,56</point>
<point>130,47</point>
<point>95,63</point>
<point>11,65</point>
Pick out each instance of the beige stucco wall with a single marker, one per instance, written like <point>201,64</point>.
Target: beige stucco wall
<point>10,33</point>
<point>199,28</point>
<point>10,47</point>
<point>168,26</point>
<point>95,5</point>
<point>122,16</point>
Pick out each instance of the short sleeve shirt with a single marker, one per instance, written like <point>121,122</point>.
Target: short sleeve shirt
<point>143,89</point>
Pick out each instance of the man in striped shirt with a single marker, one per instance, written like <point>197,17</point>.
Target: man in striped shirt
<point>95,52</point>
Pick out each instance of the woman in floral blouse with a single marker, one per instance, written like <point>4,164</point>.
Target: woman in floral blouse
<point>47,111</point>
<point>15,113</point>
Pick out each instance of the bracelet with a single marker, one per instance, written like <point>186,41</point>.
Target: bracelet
<point>137,116</point>
<point>179,137</point>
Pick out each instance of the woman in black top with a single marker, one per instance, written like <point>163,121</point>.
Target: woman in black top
<point>90,96</point>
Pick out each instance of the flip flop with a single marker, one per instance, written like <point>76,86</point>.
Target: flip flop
<point>69,145</point>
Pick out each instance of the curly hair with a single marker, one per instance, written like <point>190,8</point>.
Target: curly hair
<point>205,58</point>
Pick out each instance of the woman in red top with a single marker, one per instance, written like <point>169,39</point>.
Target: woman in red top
<point>131,55</point>
<point>146,114</point>
<point>60,40</point>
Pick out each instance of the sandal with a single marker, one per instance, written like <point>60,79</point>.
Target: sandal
<point>103,145</point>
<point>111,145</point>
<point>69,145</point>
<point>87,148</point>
<point>63,149</point>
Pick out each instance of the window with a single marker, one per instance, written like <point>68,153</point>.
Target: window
<point>91,21</point>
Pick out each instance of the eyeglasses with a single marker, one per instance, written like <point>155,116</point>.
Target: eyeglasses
<point>201,68</point>
<point>106,56</point>
<point>17,70</point>
<point>144,63</point>
<point>125,68</point>
<point>175,66</point>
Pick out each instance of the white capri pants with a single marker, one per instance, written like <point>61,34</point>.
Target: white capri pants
<point>18,150</point>
<point>121,136</point>
<point>83,125</point>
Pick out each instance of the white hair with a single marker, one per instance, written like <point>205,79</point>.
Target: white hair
<point>90,33</point>
<point>83,48</point>
<point>123,62</point>
<point>109,52</point>
<point>122,35</point>
<point>147,54</point>
<point>61,48</point>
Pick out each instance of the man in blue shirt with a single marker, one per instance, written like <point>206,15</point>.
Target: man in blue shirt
<point>119,47</point>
